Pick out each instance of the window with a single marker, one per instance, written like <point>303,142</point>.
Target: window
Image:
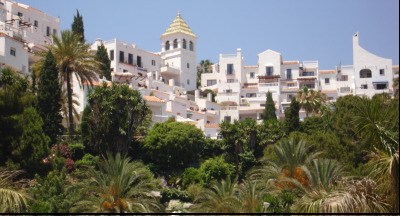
<point>291,84</point>
<point>380,86</point>
<point>139,61</point>
<point>121,56</point>
<point>35,23</point>
<point>308,73</point>
<point>188,82</point>
<point>252,75</point>
<point>230,80</point>
<point>382,72</point>
<point>269,71</point>
<point>344,89</point>
<point>175,43</point>
<point>187,65</point>
<point>288,73</point>
<point>227,118</point>
<point>344,78</point>
<point>365,73</point>
<point>111,55</point>
<point>191,46</point>
<point>130,58</point>
<point>289,96</point>
<point>184,44</point>
<point>124,70</point>
<point>13,52</point>
<point>364,86</point>
<point>327,81</point>
<point>308,85</point>
<point>330,98</point>
<point>167,45</point>
<point>54,31</point>
<point>112,69</point>
<point>250,95</point>
<point>229,69</point>
<point>20,14</point>
<point>211,82</point>
<point>228,90</point>
<point>153,62</point>
<point>48,31</point>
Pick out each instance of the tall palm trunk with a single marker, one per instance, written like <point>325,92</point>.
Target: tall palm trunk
<point>69,95</point>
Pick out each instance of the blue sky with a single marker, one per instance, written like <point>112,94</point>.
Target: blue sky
<point>298,29</point>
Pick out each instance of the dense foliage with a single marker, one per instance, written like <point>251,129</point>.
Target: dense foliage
<point>48,98</point>
<point>173,145</point>
<point>112,118</point>
<point>269,111</point>
<point>105,66</point>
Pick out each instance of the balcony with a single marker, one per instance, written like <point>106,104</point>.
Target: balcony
<point>169,71</point>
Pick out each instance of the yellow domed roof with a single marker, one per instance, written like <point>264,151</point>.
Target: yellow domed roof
<point>178,26</point>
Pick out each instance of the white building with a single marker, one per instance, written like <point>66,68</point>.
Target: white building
<point>241,89</point>
<point>28,30</point>
<point>13,54</point>
<point>164,78</point>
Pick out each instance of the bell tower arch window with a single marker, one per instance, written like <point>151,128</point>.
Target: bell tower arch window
<point>167,45</point>
<point>191,46</point>
<point>175,43</point>
<point>184,44</point>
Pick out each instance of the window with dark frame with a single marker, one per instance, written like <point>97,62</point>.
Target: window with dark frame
<point>130,58</point>
<point>382,72</point>
<point>139,61</point>
<point>288,73</point>
<point>269,71</point>
<point>13,52</point>
<point>229,69</point>
<point>121,56</point>
<point>48,31</point>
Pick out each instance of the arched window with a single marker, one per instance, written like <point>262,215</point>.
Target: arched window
<point>175,43</point>
<point>184,44</point>
<point>167,45</point>
<point>191,46</point>
<point>365,73</point>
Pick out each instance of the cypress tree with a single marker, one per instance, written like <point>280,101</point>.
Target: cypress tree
<point>77,26</point>
<point>269,111</point>
<point>292,120</point>
<point>48,98</point>
<point>105,63</point>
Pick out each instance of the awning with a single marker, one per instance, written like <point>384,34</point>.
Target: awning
<point>380,82</point>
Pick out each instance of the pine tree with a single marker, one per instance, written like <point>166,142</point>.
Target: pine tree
<point>48,98</point>
<point>77,26</point>
<point>269,111</point>
<point>292,120</point>
<point>105,63</point>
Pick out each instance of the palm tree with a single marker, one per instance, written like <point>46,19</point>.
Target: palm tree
<point>222,197</point>
<point>328,192</point>
<point>64,105</point>
<point>310,100</point>
<point>12,200</point>
<point>381,128</point>
<point>251,195</point>
<point>119,186</point>
<point>203,67</point>
<point>73,58</point>
<point>291,156</point>
<point>349,196</point>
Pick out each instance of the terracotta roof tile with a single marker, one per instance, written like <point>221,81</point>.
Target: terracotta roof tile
<point>327,71</point>
<point>290,62</point>
<point>211,125</point>
<point>153,99</point>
